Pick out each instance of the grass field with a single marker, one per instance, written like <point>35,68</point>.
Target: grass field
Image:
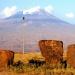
<point>32,70</point>
<point>27,56</point>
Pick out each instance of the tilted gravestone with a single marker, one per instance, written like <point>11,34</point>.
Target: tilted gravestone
<point>52,50</point>
<point>71,55</point>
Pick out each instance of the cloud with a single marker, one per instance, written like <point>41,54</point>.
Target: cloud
<point>31,10</point>
<point>49,9</point>
<point>8,11</point>
<point>70,15</point>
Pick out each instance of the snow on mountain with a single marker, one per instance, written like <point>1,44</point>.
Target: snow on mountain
<point>32,10</point>
<point>37,9</point>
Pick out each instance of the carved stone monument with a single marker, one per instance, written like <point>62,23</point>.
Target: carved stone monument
<point>52,50</point>
<point>71,55</point>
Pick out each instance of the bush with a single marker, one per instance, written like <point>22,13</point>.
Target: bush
<point>18,66</point>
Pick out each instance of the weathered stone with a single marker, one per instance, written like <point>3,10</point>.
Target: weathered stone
<point>6,58</point>
<point>52,50</point>
<point>71,55</point>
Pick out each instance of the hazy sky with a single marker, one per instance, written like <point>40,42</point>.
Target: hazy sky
<point>64,9</point>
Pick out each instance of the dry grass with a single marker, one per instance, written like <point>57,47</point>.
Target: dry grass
<point>27,56</point>
<point>41,71</point>
<point>27,70</point>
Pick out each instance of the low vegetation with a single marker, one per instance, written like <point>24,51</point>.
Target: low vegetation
<point>23,66</point>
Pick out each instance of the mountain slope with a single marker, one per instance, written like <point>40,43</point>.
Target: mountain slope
<point>36,26</point>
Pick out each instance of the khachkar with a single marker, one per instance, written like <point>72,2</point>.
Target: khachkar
<point>71,55</point>
<point>52,50</point>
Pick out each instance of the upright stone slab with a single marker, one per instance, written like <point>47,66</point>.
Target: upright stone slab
<point>52,50</point>
<point>71,55</point>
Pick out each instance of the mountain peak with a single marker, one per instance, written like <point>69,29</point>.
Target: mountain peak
<point>38,14</point>
<point>36,11</point>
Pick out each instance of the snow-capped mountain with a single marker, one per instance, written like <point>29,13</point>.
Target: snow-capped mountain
<point>29,27</point>
<point>36,14</point>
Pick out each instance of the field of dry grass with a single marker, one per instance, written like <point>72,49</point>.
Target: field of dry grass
<point>41,72</point>
<point>32,70</point>
<point>27,56</point>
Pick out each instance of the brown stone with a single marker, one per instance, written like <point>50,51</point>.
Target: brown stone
<point>6,58</point>
<point>71,55</point>
<point>52,50</point>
